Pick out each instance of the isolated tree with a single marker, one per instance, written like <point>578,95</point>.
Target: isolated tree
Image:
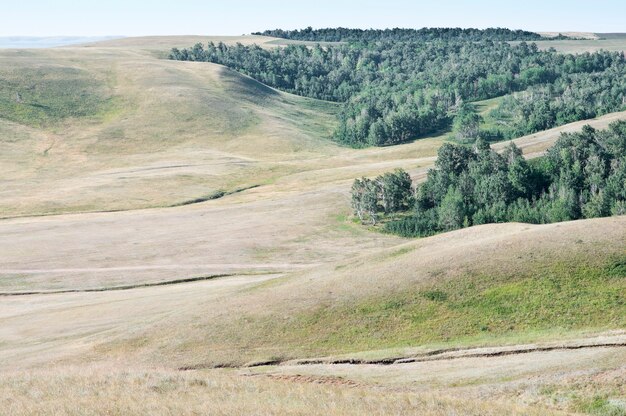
<point>358,189</point>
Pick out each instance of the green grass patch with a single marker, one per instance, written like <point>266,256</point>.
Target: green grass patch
<point>617,268</point>
<point>601,406</point>
<point>561,296</point>
<point>588,396</point>
<point>484,107</point>
<point>401,251</point>
<point>46,95</point>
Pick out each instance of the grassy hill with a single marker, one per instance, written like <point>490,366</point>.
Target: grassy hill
<point>185,130</point>
<point>507,283</point>
<point>112,127</point>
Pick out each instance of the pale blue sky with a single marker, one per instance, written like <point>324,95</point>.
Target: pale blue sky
<point>235,17</point>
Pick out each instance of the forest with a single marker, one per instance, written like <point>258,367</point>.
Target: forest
<point>395,88</point>
<point>341,34</point>
<point>582,176</point>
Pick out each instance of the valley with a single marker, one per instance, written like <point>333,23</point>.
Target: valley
<point>188,239</point>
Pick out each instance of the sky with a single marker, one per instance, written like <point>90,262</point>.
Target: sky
<point>236,17</point>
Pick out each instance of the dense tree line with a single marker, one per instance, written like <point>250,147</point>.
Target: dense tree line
<point>582,176</point>
<point>395,91</point>
<point>342,34</point>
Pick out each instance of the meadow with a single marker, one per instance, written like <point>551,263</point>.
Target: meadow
<point>182,240</point>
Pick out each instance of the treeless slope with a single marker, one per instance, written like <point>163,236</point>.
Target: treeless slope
<point>173,132</point>
<point>165,43</point>
<point>477,283</point>
<point>455,288</point>
<point>130,343</point>
<point>261,230</point>
<point>615,44</point>
<point>579,35</point>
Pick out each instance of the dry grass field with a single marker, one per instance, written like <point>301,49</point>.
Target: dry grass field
<point>105,390</point>
<point>577,35</point>
<point>141,171</point>
<point>587,43</point>
<point>159,44</point>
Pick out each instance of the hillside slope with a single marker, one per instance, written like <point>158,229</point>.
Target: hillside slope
<point>506,283</point>
<point>235,186</point>
<point>184,131</point>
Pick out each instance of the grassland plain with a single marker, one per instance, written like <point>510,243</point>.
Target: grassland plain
<point>606,41</point>
<point>306,281</point>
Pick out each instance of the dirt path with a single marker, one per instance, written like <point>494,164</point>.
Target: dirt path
<point>136,286</point>
<point>520,369</point>
<point>237,266</point>
<point>607,341</point>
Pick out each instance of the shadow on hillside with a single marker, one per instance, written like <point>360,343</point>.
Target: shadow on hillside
<point>250,87</point>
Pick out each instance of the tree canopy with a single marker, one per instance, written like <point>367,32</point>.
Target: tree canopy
<point>401,84</point>
<point>582,176</point>
<point>342,34</point>
<point>390,192</point>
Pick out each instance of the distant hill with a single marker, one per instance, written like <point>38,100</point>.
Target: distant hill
<point>48,42</point>
<point>611,35</point>
<point>572,35</point>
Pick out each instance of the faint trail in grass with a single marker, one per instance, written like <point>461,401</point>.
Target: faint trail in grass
<point>447,354</point>
<point>205,198</point>
<point>136,286</point>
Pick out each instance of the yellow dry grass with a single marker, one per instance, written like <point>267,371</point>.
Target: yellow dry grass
<point>579,35</point>
<point>235,320</point>
<point>184,131</point>
<point>97,390</point>
<point>179,131</point>
<point>615,44</point>
<point>159,44</point>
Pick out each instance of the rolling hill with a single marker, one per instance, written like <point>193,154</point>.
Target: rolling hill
<point>191,218</point>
